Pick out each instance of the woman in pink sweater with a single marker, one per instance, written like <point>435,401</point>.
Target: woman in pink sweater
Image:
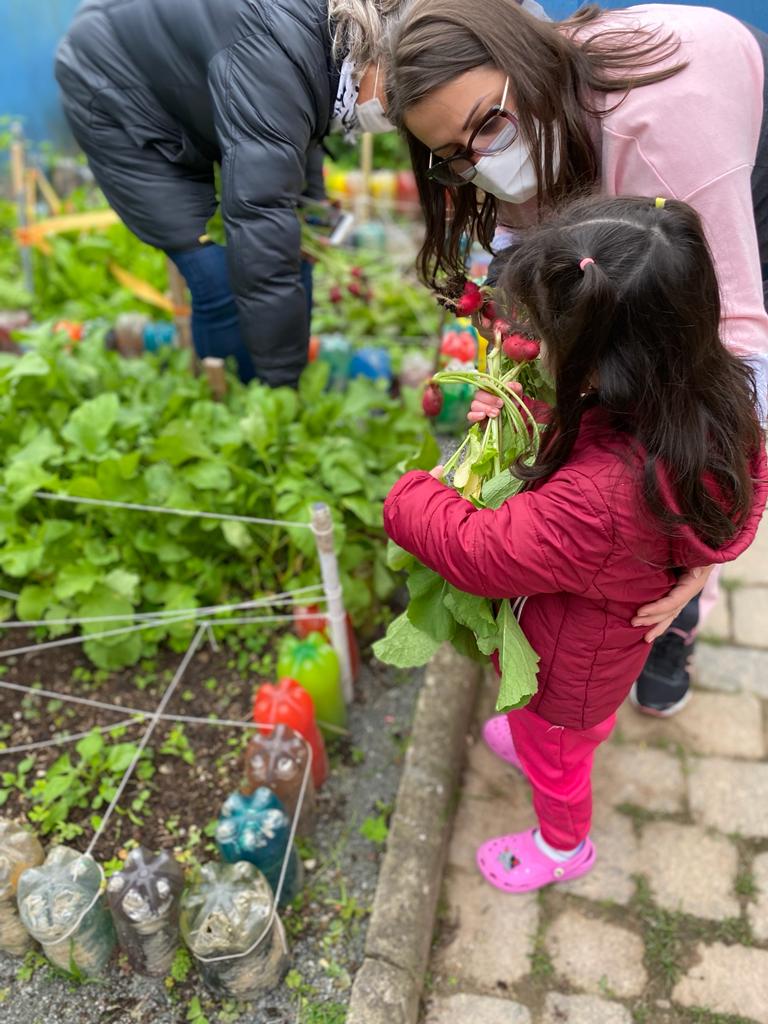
<point>507,115</point>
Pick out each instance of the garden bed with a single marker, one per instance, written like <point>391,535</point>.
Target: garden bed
<point>326,924</point>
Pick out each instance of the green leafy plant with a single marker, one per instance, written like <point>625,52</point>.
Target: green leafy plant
<point>87,782</point>
<point>176,744</point>
<point>438,612</point>
<point>94,425</point>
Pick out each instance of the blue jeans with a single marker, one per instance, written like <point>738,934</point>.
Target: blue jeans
<point>215,323</point>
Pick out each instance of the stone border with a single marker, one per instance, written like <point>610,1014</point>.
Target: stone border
<point>388,986</point>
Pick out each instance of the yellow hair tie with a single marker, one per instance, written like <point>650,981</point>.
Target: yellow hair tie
<point>660,203</point>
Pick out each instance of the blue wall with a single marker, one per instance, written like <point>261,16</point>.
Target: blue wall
<point>30,29</point>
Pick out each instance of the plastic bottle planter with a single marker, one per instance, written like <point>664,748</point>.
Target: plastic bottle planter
<point>257,829</point>
<point>415,369</point>
<point>134,334</point>
<point>289,703</point>
<point>144,899</point>
<point>336,351</point>
<point>229,924</point>
<point>19,850</point>
<point>314,663</point>
<point>279,761</point>
<point>62,906</point>
<point>372,362</point>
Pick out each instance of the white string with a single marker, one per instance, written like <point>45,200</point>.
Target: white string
<point>153,721</point>
<point>60,739</point>
<point>84,637</point>
<point>191,513</point>
<point>283,598</point>
<point>68,698</point>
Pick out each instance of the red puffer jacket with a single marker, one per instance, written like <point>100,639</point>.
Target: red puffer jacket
<point>585,549</point>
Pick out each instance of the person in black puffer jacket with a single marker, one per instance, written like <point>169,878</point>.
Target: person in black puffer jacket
<point>159,91</point>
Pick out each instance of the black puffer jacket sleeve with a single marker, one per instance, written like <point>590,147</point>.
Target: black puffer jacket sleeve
<point>264,133</point>
<point>315,183</point>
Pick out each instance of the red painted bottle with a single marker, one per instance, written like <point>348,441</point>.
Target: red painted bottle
<point>290,704</point>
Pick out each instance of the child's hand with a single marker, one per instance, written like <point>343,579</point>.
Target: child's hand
<point>437,472</point>
<point>485,405</point>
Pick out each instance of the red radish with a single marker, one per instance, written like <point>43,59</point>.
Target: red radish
<point>357,272</point>
<point>515,347</point>
<point>355,288</point>
<point>502,327</point>
<point>471,300</point>
<point>532,350</point>
<point>432,400</point>
<point>335,295</point>
<point>490,310</point>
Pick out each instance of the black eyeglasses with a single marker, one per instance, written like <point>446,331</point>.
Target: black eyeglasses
<point>499,127</point>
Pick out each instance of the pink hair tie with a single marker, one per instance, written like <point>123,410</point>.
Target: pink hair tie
<point>585,263</point>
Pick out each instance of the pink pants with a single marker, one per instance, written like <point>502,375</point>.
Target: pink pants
<point>558,763</point>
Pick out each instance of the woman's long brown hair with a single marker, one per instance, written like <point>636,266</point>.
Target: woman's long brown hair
<point>555,70</point>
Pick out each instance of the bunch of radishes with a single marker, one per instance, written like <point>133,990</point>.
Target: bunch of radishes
<point>475,300</point>
<point>358,287</point>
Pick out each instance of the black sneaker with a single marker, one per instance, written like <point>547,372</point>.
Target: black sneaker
<point>663,687</point>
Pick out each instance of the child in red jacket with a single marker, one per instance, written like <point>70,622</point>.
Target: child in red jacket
<point>652,463</point>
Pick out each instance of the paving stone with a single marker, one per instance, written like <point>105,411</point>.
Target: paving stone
<point>465,1009</point>
<point>720,724</point>
<point>731,669</point>
<point>487,775</point>
<point>750,616</point>
<point>758,910</point>
<point>719,623</point>
<point>596,956</point>
<point>495,800</point>
<point>689,870</point>
<point>491,933</point>
<point>617,860</point>
<point>624,773</point>
<point>562,1009</point>
<point>727,979</point>
<point>731,796</point>
<point>752,566</point>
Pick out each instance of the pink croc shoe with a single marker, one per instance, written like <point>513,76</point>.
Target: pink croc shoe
<point>515,863</point>
<point>498,738</point>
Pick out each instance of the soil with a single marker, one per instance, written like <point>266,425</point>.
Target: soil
<point>326,923</point>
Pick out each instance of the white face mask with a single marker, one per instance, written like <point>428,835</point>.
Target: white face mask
<point>511,175</point>
<point>370,115</point>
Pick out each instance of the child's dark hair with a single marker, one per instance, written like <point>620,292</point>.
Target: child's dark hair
<point>624,295</point>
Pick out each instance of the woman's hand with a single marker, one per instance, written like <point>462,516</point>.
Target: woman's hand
<point>661,614</point>
<point>487,406</point>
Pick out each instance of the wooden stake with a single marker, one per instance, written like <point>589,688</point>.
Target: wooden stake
<point>322,527</point>
<point>30,194</point>
<point>48,193</point>
<point>366,167</point>
<point>180,299</point>
<point>18,186</point>
<point>214,371</point>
